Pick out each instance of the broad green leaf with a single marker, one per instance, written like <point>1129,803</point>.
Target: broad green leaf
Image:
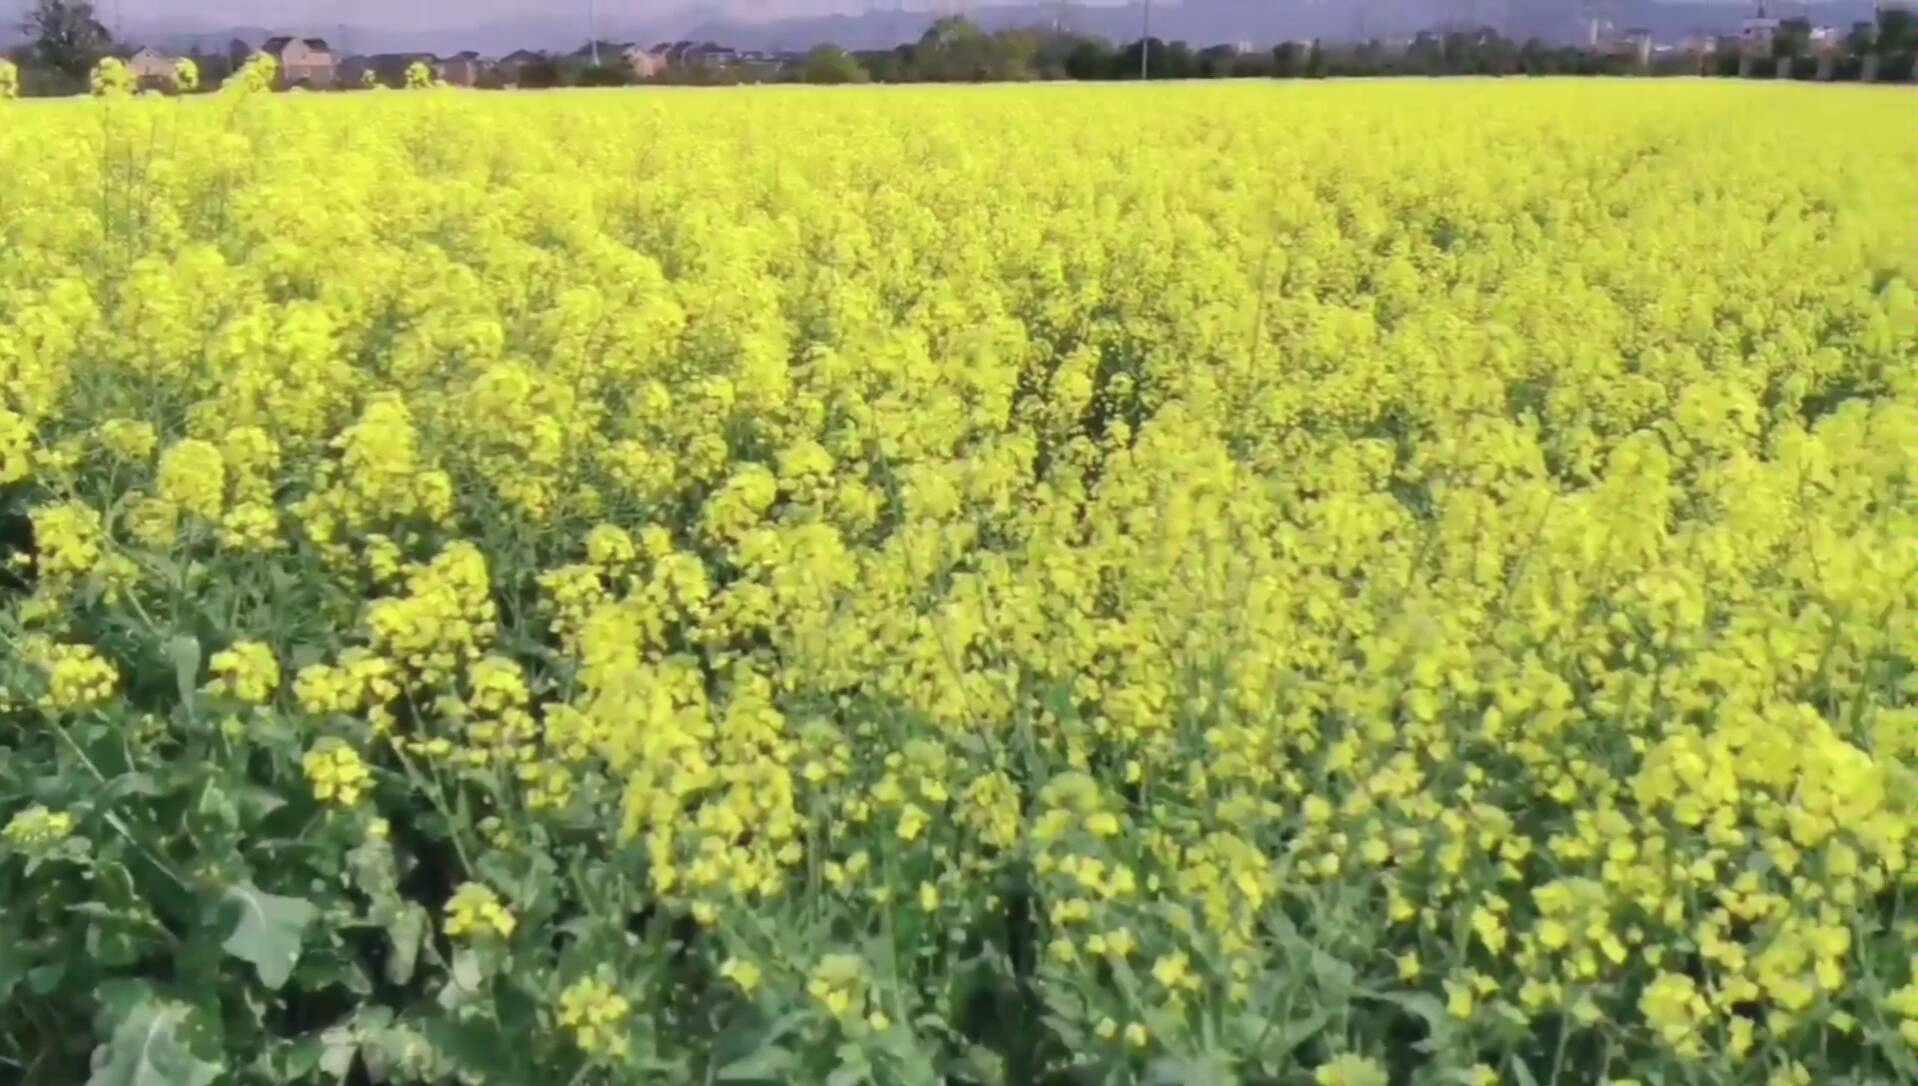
<point>407,930</point>
<point>1281,1038</point>
<point>338,1047</point>
<point>14,962</point>
<point>147,1049</point>
<point>466,970</point>
<point>770,1064</point>
<point>467,976</point>
<point>853,1069</point>
<point>269,932</point>
<point>1207,1070</point>
<point>255,803</point>
<point>184,651</point>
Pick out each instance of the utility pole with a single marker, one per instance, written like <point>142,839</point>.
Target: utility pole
<point>1145,43</point>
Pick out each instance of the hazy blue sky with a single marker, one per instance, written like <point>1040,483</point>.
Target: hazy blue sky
<point>432,13</point>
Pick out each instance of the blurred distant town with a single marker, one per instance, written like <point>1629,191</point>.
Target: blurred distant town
<point>63,38</point>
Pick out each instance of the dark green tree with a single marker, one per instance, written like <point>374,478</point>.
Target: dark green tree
<point>1897,31</point>
<point>1862,39</point>
<point>1056,50</point>
<point>67,36</point>
<point>1216,61</point>
<point>1792,39</point>
<point>830,64</point>
<point>605,75</point>
<point>541,74</point>
<point>1016,53</point>
<point>888,65</point>
<point>1092,59</point>
<point>954,50</point>
<point>1288,60</point>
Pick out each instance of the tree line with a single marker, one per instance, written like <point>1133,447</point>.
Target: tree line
<point>955,50</point>
<point>65,40</point>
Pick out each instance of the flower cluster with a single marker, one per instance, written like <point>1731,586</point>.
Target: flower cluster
<point>337,773</point>
<point>36,828</point>
<point>475,911</point>
<point>592,1011</point>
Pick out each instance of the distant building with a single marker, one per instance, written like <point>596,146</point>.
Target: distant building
<point>1636,43</point>
<point>153,68</point>
<point>1755,34</point>
<point>644,63</point>
<point>686,54</point>
<point>462,69</point>
<point>509,66</point>
<point>304,62</point>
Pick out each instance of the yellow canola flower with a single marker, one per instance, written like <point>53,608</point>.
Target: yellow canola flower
<point>247,671</point>
<point>336,773</point>
<point>838,983</point>
<point>1350,1070</point>
<point>593,1012</point>
<point>36,828</point>
<point>475,911</point>
<point>78,678</point>
<point>192,478</point>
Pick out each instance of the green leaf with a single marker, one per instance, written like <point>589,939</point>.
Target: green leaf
<point>467,971</point>
<point>146,1049</point>
<point>853,1068</point>
<point>1206,1070</point>
<point>255,803</point>
<point>467,976</point>
<point>407,930</point>
<point>184,651</point>
<point>1282,1038</point>
<point>269,932</point>
<point>769,1064</point>
<point>14,962</point>
<point>43,979</point>
<point>339,1047</point>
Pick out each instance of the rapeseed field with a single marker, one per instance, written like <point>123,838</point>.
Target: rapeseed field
<point>1351,584</point>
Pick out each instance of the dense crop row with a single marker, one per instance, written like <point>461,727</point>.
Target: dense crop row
<point>1247,584</point>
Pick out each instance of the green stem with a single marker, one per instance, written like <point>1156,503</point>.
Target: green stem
<point>114,820</point>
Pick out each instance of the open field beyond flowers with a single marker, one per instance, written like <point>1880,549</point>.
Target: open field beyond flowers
<point>1306,585</point>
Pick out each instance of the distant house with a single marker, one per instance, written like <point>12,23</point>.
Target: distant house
<point>686,54</point>
<point>645,64</point>
<point>304,62</point>
<point>462,69</point>
<point>154,69</point>
<point>1637,44</point>
<point>1756,34</point>
<point>510,65</point>
<point>641,61</point>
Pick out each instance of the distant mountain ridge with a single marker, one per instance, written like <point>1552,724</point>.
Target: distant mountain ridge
<point>1260,23</point>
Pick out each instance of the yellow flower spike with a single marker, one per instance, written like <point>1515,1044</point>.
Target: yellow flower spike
<point>1350,1070</point>
<point>246,671</point>
<point>36,828</point>
<point>474,911</point>
<point>594,1014</point>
